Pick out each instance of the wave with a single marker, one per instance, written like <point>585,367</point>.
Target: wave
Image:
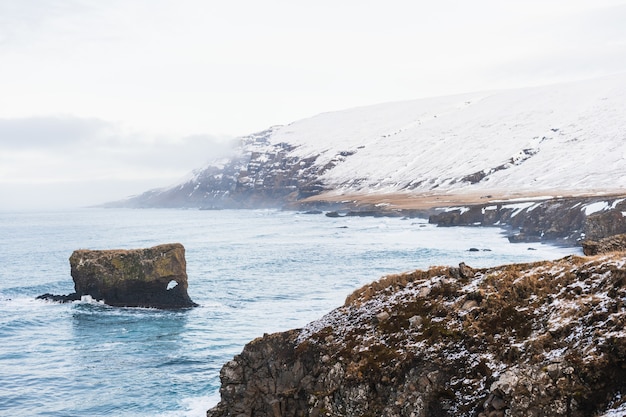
<point>194,406</point>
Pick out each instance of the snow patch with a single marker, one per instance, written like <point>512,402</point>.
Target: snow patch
<point>462,210</point>
<point>595,207</point>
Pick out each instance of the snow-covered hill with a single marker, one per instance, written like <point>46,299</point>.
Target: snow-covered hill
<point>563,139</point>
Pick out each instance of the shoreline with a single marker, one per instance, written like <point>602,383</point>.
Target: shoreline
<point>563,218</point>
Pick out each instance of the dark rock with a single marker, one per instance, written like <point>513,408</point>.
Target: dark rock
<point>556,219</point>
<point>334,214</point>
<point>605,223</point>
<point>378,212</point>
<point>523,238</point>
<point>59,298</point>
<point>466,271</point>
<point>481,175</point>
<point>608,244</point>
<point>473,250</point>
<point>154,277</point>
<point>467,216</point>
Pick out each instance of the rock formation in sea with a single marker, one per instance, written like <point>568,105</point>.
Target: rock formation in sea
<point>537,339</point>
<point>153,277</point>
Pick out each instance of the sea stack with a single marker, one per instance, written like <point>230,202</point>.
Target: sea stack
<point>154,277</point>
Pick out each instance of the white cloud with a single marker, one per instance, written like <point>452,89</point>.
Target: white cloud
<point>57,156</point>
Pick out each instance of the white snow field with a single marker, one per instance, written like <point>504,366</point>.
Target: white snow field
<point>568,138</point>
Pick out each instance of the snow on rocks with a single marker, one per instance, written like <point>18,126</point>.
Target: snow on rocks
<point>544,338</point>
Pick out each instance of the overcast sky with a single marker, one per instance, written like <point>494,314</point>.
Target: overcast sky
<point>103,99</point>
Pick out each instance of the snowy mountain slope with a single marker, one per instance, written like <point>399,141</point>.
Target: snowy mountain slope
<point>567,138</point>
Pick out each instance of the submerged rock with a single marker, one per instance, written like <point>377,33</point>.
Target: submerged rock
<point>153,277</point>
<point>537,339</point>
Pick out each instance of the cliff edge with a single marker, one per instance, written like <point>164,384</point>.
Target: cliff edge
<point>536,339</point>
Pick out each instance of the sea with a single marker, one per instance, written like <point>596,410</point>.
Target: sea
<point>251,271</point>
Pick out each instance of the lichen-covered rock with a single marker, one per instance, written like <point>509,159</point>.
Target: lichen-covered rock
<point>538,339</point>
<point>153,277</point>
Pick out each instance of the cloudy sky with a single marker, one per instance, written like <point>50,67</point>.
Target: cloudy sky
<point>103,99</point>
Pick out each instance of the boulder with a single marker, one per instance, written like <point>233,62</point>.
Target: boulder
<point>605,223</point>
<point>608,244</point>
<point>153,277</point>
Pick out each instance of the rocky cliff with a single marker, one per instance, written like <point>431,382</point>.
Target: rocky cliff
<point>569,220</point>
<point>538,339</point>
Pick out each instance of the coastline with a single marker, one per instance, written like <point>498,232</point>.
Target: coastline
<point>561,217</point>
<point>514,323</point>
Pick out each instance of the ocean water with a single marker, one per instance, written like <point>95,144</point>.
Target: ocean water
<point>252,272</point>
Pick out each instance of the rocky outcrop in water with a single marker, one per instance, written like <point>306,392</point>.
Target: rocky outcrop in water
<point>537,339</point>
<point>153,277</point>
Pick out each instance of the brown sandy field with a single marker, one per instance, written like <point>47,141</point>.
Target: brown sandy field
<point>424,201</point>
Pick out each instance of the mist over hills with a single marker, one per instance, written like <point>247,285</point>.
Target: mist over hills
<point>564,139</point>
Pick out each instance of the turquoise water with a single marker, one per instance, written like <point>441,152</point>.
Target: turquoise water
<point>252,272</point>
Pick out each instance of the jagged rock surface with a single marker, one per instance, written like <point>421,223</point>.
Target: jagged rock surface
<point>153,277</point>
<point>538,339</point>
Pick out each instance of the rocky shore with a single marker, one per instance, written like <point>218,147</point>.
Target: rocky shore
<point>568,220</point>
<point>537,339</point>
<point>564,220</point>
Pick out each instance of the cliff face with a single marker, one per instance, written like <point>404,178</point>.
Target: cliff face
<point>566,219</point>
<point>536,339</point>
